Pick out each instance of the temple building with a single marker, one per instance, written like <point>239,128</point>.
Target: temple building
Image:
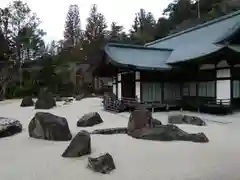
<point>200,65</point>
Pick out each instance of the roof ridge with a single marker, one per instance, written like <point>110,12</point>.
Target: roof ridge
<point>136,46</point>
<point>208,23</point>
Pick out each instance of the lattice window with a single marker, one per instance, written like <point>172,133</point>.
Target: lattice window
<point>236,89</point>
<point>206,89</point>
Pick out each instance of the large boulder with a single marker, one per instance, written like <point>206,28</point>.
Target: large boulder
<point>185,119</point>
<point>49,127</point>
<point>168,133</point>
<point>45,100</point>
<point>141,125</point>
<point>139,119</point>
<point>27,101</point>
<point>103,164</point>
<point>89,119</point>
<point>79,146</point>
<point>9,127</point>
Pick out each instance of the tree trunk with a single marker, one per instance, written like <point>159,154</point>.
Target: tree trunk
<point>3,91</point>
<point>6,76</point>
<point>28,54</point>
<point>19,63</point>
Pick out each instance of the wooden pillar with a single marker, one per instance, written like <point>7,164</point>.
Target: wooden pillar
<point>116,79</point>
<point>197,82</point>
<point>162,93</point>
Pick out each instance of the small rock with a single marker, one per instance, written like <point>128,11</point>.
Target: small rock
<point>175,119</point>
<point>185,119</point>
<point>27,101</point>
<point>194,120</point>
<point>79,97</point>
<point>9,127</point>
<point>89,119</point>
<point>103,164</point>
<point>79,146</point>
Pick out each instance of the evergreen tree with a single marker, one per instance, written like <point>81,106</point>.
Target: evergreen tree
<point>95,34</point>
<point>96,25</point>
<point>21,30</point>
<point>116,32</point>
<point>183,14</point>
<point>3,47</point>
<point>143,27</point>
<point>162,28</point>
<point>72,33</point>
<point>52,48</point>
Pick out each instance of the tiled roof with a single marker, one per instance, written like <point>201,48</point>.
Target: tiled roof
<point>187,45</point>
<point>138,57</point>
<point>200,40</point>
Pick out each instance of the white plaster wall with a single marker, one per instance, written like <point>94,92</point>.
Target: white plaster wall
<point>119,93</point>
<point>114,89</point>
<point>119,76</point>
<point>137,75</point>
<point>223,89</point>
<point>138,90</point>
<point>223,73</point>
<point>223,86</point>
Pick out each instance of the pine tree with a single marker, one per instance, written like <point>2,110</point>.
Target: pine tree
<point>3,47</point>
<point>116,32</point>
<point>96,25</point>
<point>143,27</point>
<point>72,33</point>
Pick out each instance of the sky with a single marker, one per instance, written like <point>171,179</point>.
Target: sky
<point>52,13</point>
